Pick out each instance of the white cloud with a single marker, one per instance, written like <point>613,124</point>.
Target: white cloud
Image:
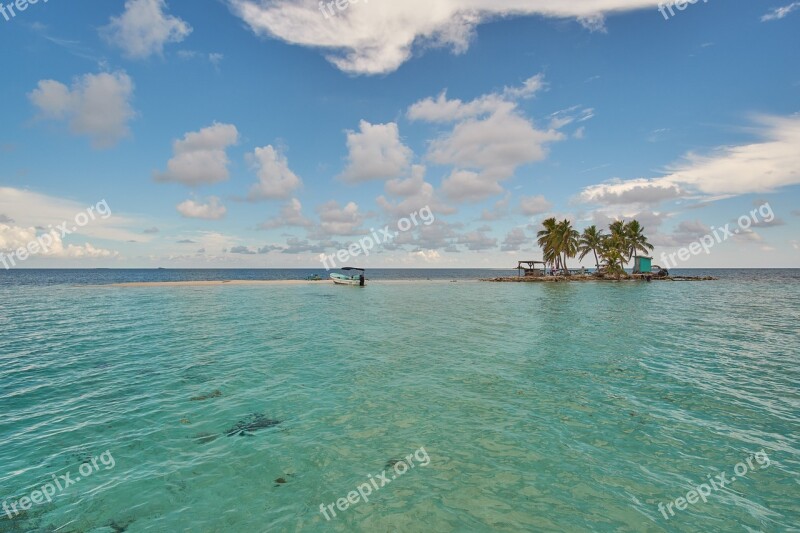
<point>291,215</point>
<point>534,205</point>
<point>211,210</point>
<point>489,141</point>
<point>378,37</point>
<point>477,241</point>
<point>515,240</point>
<point>376,152</point>
<point>14,237</point>
<point>529,88</point>
<point>97,105</point>
<point>429,256</point>
<point>415,193</point>
<point>468,186</point>
<point>759,167</point>
<point>276,180</point>
<point>443,110</point>
<point>778,13</point>
<point>143,29</point>
<point>335,220</point>
<point>497,144</point>
<point>594,22</point>
<point>565,117</point>
<point>637,191</point>
<point>27,208</point>
<point>200,157</point>
<point>214,58</point>
<point>498,211</point>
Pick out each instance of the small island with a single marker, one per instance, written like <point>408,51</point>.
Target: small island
<point>612,251</point>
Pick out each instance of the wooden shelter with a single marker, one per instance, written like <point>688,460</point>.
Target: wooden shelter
<point>529,267</point>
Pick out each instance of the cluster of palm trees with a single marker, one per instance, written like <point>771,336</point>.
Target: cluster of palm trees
<point>559,241</point>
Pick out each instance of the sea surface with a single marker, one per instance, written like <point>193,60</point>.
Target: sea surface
<point>523,407</point>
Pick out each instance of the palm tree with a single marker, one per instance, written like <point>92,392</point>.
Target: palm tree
<point>620,238</point>
<point>566,241</point>
<point>591,241</point>
<point>546,239</point>
<point>612,250</point>
<point>636,240</point>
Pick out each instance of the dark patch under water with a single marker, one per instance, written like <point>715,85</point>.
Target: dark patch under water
<point>215,394</point>
<point>251,423</point>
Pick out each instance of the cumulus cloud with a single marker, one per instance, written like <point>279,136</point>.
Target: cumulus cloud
<point>295,245</point>
<point>496,144</point>
<point>477,241</point>
<point>515,240</point>
<point>439,235</point>
<point>335,220</point>
<point>375,153</point>
<point>468,186</point>
<point>212,209</point>
<point>200,157</point>
<point>414,193</point>
<point>275,179</point>
<point>534,205</point>
<point>143,29</point>
<point>498,211</point>
<point>243,250</point>
<point>378,37</point>
<point>96,105</point>
<point>489,141</point>
<point>291,215</point>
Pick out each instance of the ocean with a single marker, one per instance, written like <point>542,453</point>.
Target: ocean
<point>441,405</point>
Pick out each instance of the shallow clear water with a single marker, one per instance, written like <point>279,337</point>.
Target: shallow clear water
<point>542,407</point>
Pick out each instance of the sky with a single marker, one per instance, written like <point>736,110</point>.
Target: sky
<point>271,134</point>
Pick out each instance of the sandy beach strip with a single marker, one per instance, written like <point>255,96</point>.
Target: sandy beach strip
<point>275,282</point>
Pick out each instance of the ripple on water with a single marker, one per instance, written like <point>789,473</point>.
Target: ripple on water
<point>552,407</point>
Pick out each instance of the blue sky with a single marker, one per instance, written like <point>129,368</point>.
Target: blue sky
<point>245,133</point>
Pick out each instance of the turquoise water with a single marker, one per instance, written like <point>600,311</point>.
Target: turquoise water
<point>541,407</point>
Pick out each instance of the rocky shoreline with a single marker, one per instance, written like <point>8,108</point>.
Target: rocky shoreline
<point>590,277</point>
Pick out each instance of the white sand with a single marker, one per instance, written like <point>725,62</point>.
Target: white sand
<point>264,282</point>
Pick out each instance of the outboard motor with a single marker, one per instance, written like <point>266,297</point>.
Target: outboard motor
<point>361,280</point>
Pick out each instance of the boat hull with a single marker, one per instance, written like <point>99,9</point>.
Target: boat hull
<point>339,279</point>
